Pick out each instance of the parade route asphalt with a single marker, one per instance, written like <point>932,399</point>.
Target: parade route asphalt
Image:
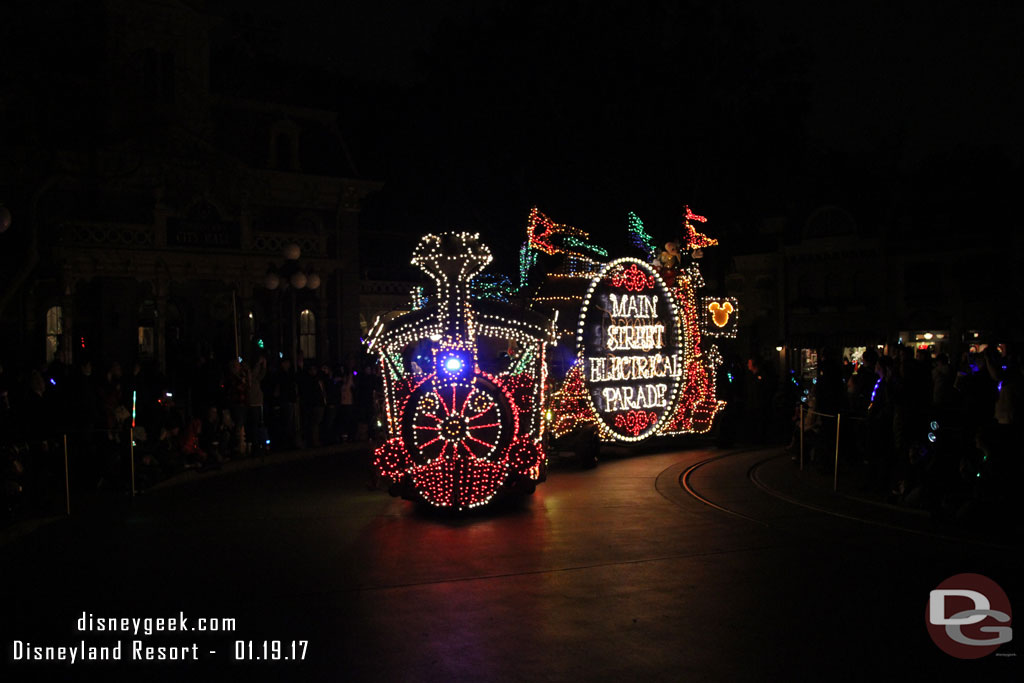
<point>681,565</point>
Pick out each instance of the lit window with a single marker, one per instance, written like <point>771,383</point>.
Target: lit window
<point>54,330</point>
<point>307,334</point>
<point>146,345</point>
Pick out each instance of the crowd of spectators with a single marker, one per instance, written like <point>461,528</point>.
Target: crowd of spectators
<point>920,430</point>
<point>197,419</point>
<point>916,429</point>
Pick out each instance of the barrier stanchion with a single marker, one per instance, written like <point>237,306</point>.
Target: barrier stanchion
<point>835,469</point>
<point>801,437</point>
<point>838,417</point>
<point>131,455</point>
<point>67,487</point>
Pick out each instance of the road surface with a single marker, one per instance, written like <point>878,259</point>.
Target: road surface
<point>615,573</point>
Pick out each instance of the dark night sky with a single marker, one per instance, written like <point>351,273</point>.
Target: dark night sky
<point>471,112</point>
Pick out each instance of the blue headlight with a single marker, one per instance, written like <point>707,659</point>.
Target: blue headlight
<point>453,363</point>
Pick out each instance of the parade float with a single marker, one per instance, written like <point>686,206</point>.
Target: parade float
<point>633,360</point>
<point>464,383</point>
<point>477,389</point>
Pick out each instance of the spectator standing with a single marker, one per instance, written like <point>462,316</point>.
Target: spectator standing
<point>755,390</point>
<point>332,387</point>
<point>346,398</point>
<point>862,382</point>
<point>879,452</point>
<point>314,401</point>
<point>288,396</point>
<point>214,438</point>
<point>363,401</point>
<point>237,391</point>
<point>943,395</point>
<point>254,427</point>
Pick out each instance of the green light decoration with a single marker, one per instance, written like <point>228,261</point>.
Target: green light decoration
<point>493,287</point>
<point>393,362</point>
<point>576,242</point>
<point>641,239</point>
<point>419,297</point>
<point>527,259</point>
<point>523,363</point>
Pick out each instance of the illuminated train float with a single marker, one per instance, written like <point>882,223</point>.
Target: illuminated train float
<point>463,413</point>
<point>472,395</point>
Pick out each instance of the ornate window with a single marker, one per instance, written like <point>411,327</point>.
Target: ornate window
<point>147,328</point>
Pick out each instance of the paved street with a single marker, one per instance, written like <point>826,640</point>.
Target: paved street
<point>616,573</point>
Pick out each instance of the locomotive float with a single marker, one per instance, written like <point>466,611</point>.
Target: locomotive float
<point>612,347</point>
<point>463,416</point>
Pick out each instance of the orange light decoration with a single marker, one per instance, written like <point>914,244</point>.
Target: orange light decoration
<point>720,313</point>
<point>694,239</point>
<point>569,405</point>
<point>720,317</point>
<point>691,216</point>
<point>552,238</point>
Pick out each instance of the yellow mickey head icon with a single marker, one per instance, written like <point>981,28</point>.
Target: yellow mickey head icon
<point>721,312</point>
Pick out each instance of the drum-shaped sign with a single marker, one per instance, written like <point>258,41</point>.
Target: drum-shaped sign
<point>631,349</point>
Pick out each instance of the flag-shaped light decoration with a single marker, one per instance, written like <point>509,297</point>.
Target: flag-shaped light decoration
<point>543,235</point>
<point>696,241</point>
<point>464,424</point>
<point>642,241</point>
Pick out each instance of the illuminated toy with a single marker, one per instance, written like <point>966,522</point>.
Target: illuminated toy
<point>634,363</point>
<point>464,386</point>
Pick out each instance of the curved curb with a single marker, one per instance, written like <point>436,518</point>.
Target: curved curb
<point>253,463</point>
<point>757,481</point>
<point>26,527</point>
<point>29,526</point>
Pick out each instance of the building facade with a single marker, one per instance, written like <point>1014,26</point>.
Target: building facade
<point>161,221</point>
<point>833,283</point>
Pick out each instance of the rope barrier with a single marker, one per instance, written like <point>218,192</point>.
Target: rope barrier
<point>838,418</point>
<point>811,411</point>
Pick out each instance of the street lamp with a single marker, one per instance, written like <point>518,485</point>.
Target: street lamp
<point>290,275</point>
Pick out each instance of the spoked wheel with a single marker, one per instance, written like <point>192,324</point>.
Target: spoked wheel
<point>457,433</point>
